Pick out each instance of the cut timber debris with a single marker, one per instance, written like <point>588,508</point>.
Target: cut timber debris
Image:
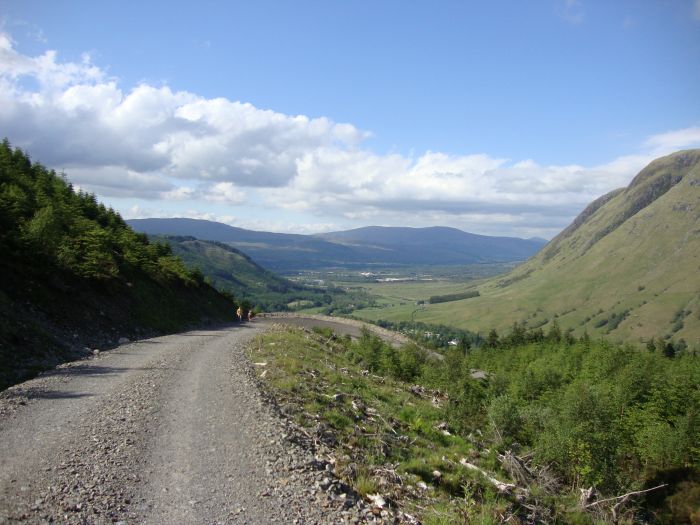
<point>618,501</point>
<point>516,467</point>
<point>502,486</point>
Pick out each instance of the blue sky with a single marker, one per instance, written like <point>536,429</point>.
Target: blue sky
<point>495,117</point>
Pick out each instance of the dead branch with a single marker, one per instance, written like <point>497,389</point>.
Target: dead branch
<point>623,497</point>
<point>500,485</point>
<point>516,467</point>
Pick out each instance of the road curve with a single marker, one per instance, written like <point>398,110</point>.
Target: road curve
<point>166,430</point>
<point>340,325</point>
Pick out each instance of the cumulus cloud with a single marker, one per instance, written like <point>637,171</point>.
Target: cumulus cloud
<point>438,182</point>
<point>115,181</point>
<point>221,192</point>
<point>225,192</point>
<point>152,142</point>
<point>72,114</point>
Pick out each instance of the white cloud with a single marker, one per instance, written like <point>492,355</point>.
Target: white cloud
<point>77,116</point>
<point>225,192</point>
<point>182,193</point>
<point>150,142</point>
<point>665,143</point>
<point>115,181</point>
<point>221,192</point>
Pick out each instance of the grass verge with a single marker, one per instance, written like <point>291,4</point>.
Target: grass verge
<point>387,436</point>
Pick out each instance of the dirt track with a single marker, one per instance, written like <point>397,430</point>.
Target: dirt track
<point>165,430</point>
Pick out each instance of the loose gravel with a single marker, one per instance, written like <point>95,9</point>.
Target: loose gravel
<point>167,430</point>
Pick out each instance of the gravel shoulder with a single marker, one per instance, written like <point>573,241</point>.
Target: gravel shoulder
<point>166,430</point>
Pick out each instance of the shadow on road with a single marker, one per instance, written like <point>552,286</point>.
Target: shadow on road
<point>86,370</point>
<point>218,332</point>
<point>47,394</point>
<point>97,370</point>
<point>57,394</point>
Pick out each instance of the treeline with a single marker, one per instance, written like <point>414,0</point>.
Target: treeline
<point>346,301</point>
<point>593,415</point>
<point>435,336</point>
<point>520,334</point>
<point>434,299</point>
<point>73,274</point>
<point>43,219</point>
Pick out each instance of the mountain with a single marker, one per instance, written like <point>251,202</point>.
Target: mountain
<point>446,245</point>
<point>233,271</point>
<point>627,267</point>
<point>358,248</point>
<point>73,274</point>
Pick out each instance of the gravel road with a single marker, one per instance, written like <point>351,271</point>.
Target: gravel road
<point>166,430</point>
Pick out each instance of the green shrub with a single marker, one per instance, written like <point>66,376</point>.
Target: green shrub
<point>504,419</point>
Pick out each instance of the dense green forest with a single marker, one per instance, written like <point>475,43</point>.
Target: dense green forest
<point>74,274</point>
<point>568,427</point>
<point>613,417</point>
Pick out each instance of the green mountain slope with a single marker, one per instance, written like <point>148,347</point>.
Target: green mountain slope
<point>74,275</point>
<point>233,271</point>
<point>628,267</point>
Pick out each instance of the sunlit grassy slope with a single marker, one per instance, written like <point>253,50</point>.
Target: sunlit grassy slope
<point>632,254</point>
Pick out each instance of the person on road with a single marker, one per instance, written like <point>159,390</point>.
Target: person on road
<point>250,315</point>
<point>239,313</point>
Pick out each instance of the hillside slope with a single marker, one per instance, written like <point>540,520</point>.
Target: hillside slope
<point>233,271</point>
<point>628,267</point>
<point>74,275</point>
<point>359,248</point>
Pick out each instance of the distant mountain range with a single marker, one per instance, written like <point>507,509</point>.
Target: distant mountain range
<point>628,267</point>
<point>359,248</point>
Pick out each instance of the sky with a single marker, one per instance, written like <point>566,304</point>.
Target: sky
<point>499,118</point>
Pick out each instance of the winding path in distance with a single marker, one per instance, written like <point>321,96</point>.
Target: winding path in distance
<point>339,325</point>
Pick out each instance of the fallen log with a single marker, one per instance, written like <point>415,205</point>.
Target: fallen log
<point>501,486</point>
